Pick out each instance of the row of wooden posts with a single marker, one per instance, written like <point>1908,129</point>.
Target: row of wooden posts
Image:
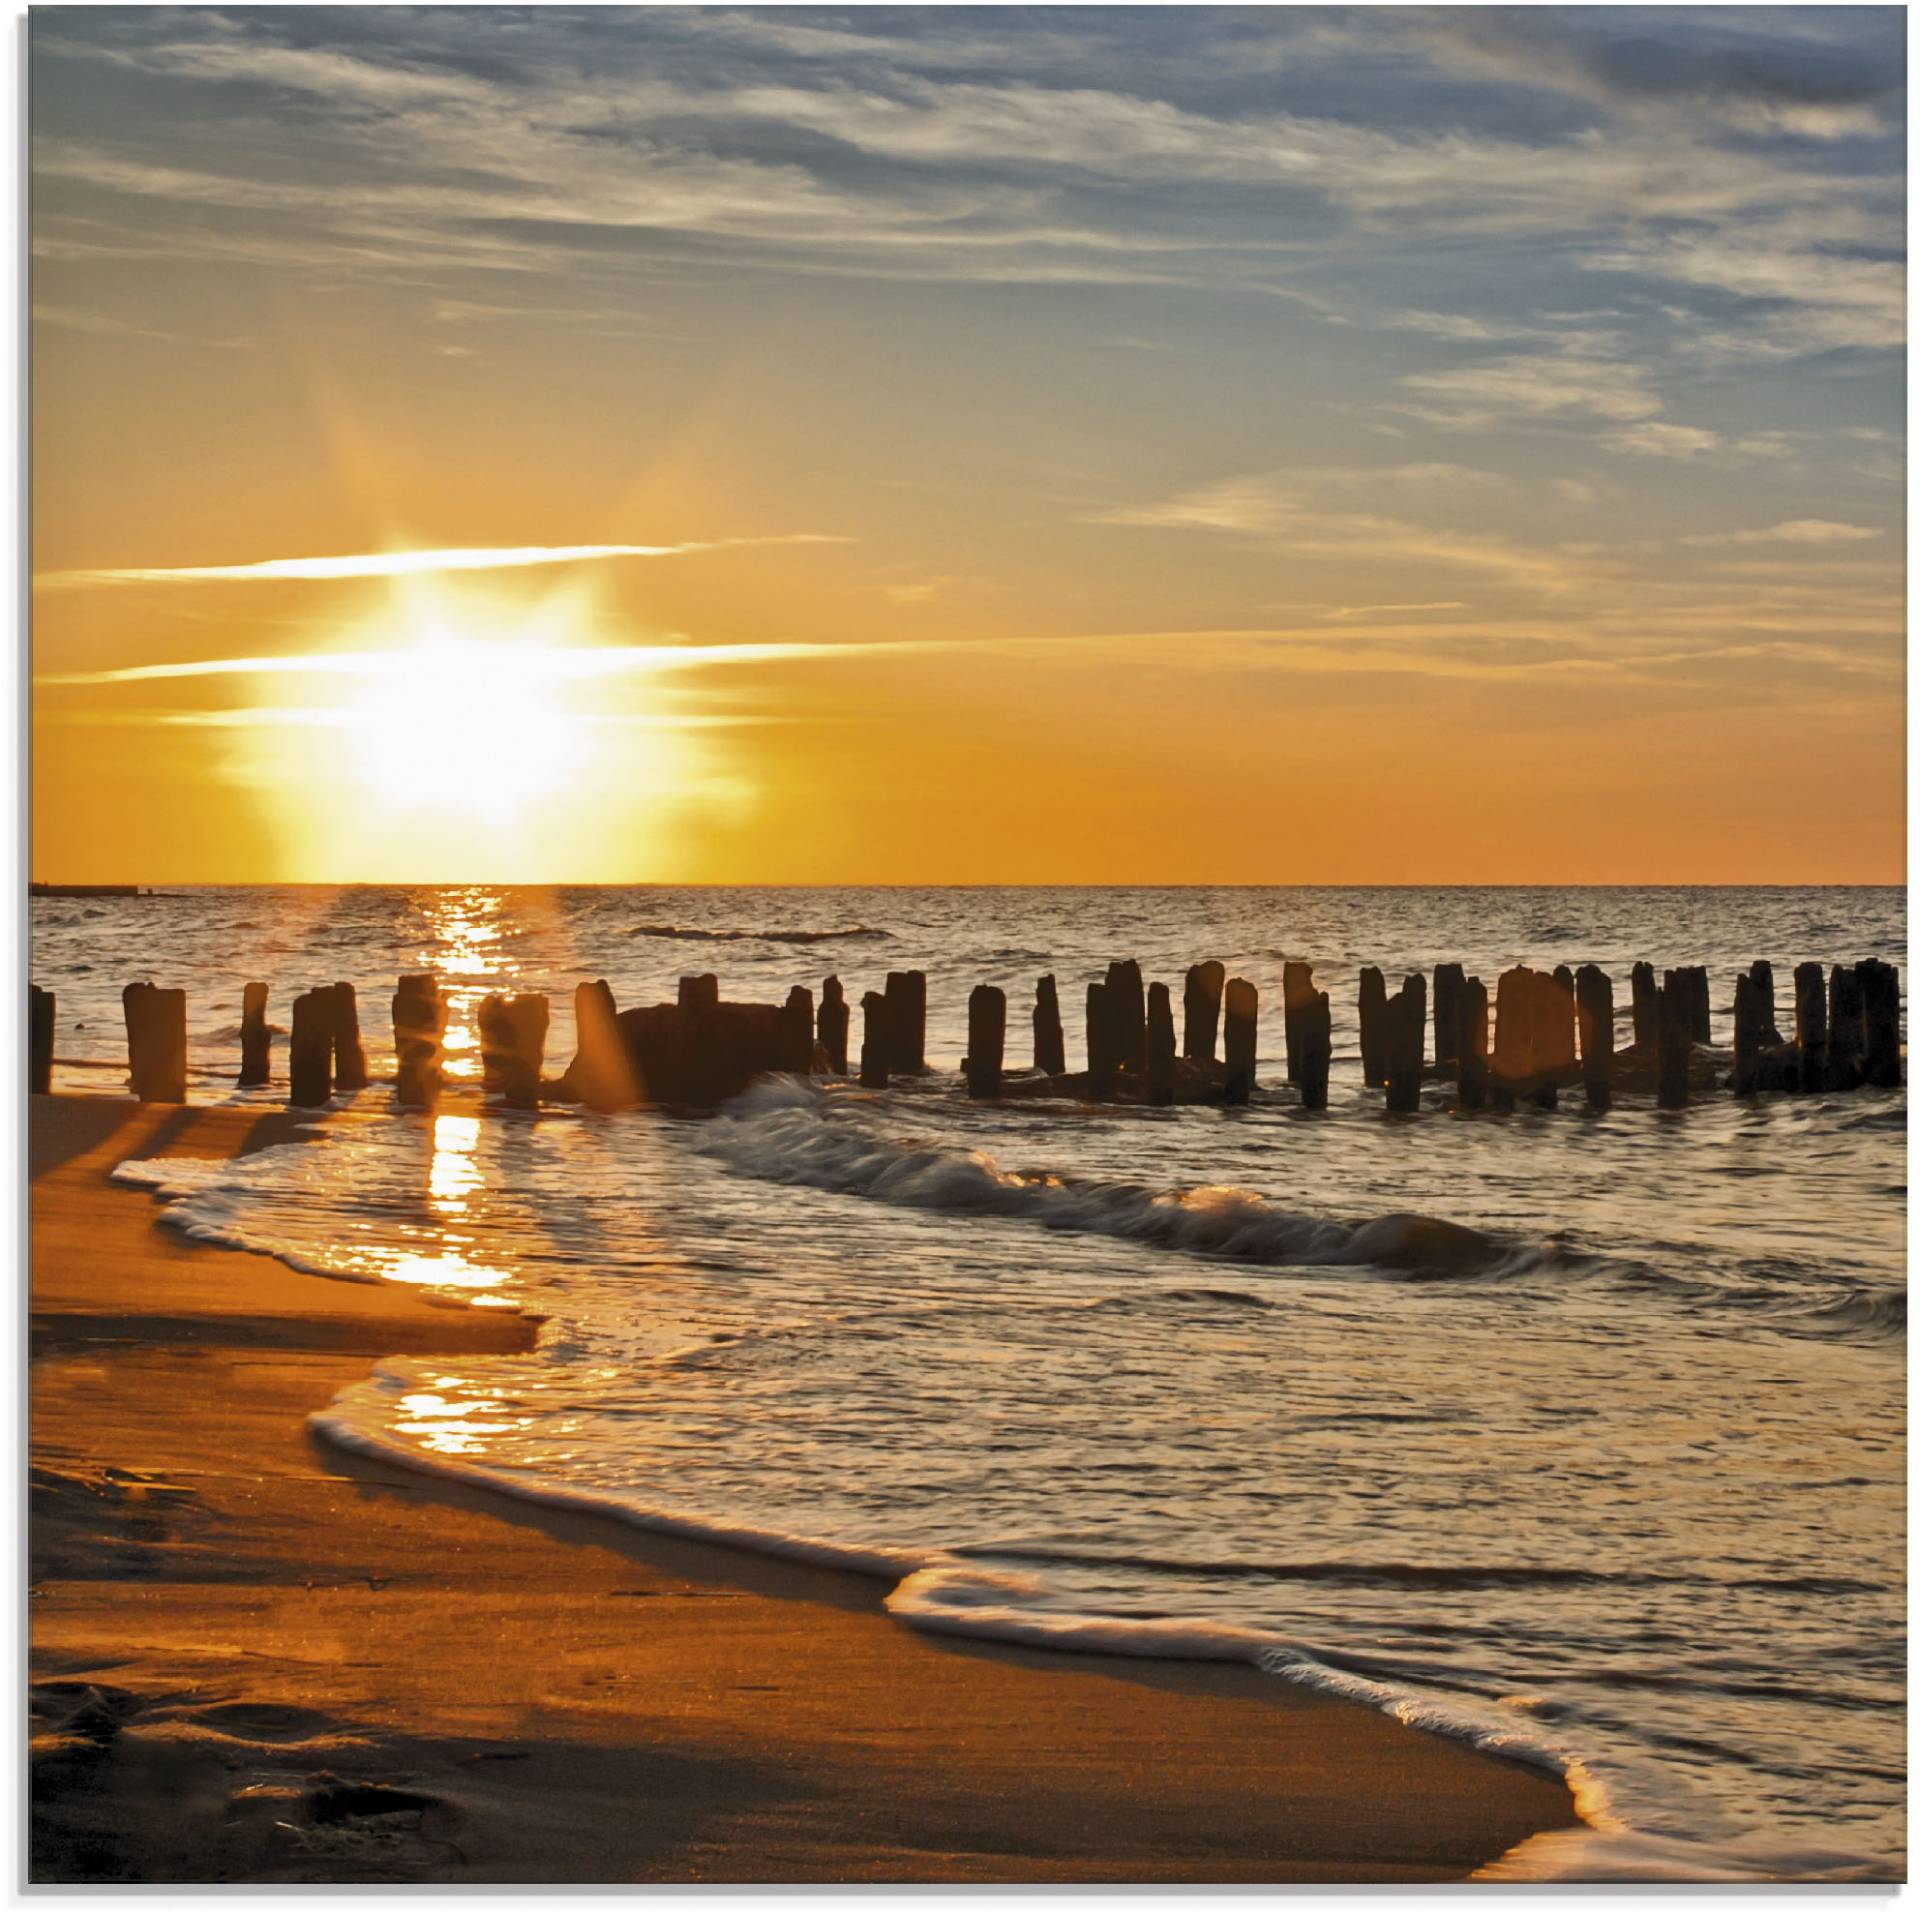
<point>1551,1030</point>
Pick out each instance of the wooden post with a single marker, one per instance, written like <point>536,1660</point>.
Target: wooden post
<point>1676,1040</point>
<point>1880,991</point>
<point>986,1040</point>
<point>1296,992</point>
<point>1101,1059</point>
<point>1127,1015</point>
<point>1749,1023</point>
<point>524,1024</point>
<point>1406,1044</point>
<point>832,1024</point>
<point>1205,981</point>
<point>1646,1009</point>
<point>795,1038</point>
<point>1699,1006</point>
<point>1472,1009</point>
<point>310,1050</point>
<point>1448,980</point>
<point>349,1052</point>
<point>907,1021</point>
<point>1846,1028</point>
<point>699,997</point>
<point>876,1041</point>
<point>1810,1025</point>
<point>39,1040</point>
<point>1516,1062</point>
<point>1242,1038</point>
<point>491,1019</point>
<point>256,1040</point>
<point>1049,1039</point>
<point>1373,1012</point>
<point>601,1073</point>
<point>1762,976</point>
<point>419,1022</point>
<point>1159,1044</point>
<point>1316,1049</point>
<point>1593,1008</point>
<point>1554,1004</point>
<point>156,1041</point>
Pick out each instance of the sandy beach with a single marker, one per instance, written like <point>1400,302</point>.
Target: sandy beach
<point>257,1659</point>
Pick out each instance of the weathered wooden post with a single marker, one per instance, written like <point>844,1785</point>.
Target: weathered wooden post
<point>1205,981</point>
<point>310,1049</point>
<point>349,1052</point>
<point>1810,1025</point>
<point>601,1073</point>
<point>490,1018</point>
<point>1846,1028</point>
<point>1880,992</point>
<point>1159,1044</point>
<point>1316,1049</point>
<point>256,1040</point>
<point>1127,1014</point>
<point>876,1041</point>
<point>419,1023</point>
<point>699,997</point>
<point>1373,1023</point>
<point>1296,991</point>
<point>1406,1044</point>
<point>156,1041</point>
<point>1102,1061</point>
<point>907,1021</point>
<point>793,1041</point>
<point>986,1040</point>
<point>1472,1024</point>
<point>1242,1038</point>
<point>1448,981</point>
<point>1516,1061</point>
<point>1646,1009</point>
<point>833,1024</point>
<point>1761,974</point>
<point>1750,1017</point>
<point>39,1040</point>
<point>1676,1041</point>
<point>1699,1004</point>
<point>1554,1005</point>
<point>1593,1007</point>
<point>524,1025</point>
<point>1049,1039</point>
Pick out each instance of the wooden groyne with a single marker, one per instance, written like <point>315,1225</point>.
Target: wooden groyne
<point>1548,1031</point>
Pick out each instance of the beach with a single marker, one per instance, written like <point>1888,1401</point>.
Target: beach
<point>257,1659</point>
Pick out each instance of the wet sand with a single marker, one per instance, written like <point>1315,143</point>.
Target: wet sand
<point>258,1659</point>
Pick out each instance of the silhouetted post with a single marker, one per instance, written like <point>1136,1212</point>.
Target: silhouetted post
<point>1472,1024</point>
<point>1101,1059</point>
<point>907,1021</point>
<point>156,1041</point>
<point>1699,1006</point>
<point>256,1041</point>
<point>1676,1040</point>
<point>1646,1009</point>
<point>1749,1019</point>
<point>794,1041</point>
<point>1406,1044</point>
<point>833,1024</point>
<point>1762,975</point>
<point>1296,991</point>
<point>1554,997</point>
<point>491,1020</point>
<point>876,1041</point>
<point>310,1050</point>
<point>1593,1008</point>
<point>986,1040</point>
<point>1205,982</point>
<point>1373,1024</point>
<point>1448,980</point>
<point>1880,992</point>
<point>1159,1044</point>
<point>524,1024</point>
<point>39,1040</point>
<point>700,997</point>
<point>1049,1039</point>
<point>601,1073</point>
<point>349,1052</point>
<point>1846,1028</point>
<point>1127,1014</point>
<point>1242,1035</point>
<point>419,1022</point>
<point>1810,1025</point>
<point>1515,1036</point>
<point>1316,1049</point>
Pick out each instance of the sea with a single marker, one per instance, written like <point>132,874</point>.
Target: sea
<point>1580,1437</point>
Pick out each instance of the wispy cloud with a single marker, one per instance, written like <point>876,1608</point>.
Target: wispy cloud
<point>399,564</point>
<point>1793,531</point>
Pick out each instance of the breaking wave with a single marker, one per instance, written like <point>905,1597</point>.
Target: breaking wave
<point>680,933</point>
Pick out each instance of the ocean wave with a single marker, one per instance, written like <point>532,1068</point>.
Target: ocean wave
<point>785,1130</point>
<point>675,932</point>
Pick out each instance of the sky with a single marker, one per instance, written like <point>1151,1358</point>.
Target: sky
<point>1282,445</point>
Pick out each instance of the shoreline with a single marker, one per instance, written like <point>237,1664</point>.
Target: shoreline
<point>260,1656</point>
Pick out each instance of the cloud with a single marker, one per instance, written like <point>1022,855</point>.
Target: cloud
<point>1793,531</point>
<point>1655,439</point>
<point>1527,385</point>
<point>396,564</point>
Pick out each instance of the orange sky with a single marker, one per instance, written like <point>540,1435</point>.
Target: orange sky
<point>1340,485</point>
